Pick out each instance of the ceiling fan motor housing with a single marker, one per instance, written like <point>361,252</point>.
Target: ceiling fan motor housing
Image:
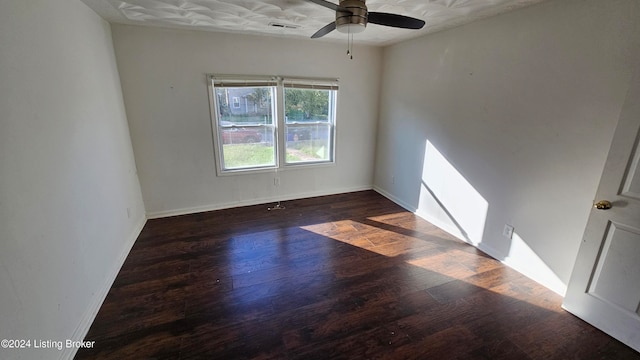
<point>355,20</point>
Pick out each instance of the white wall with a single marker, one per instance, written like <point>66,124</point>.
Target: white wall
<point>67,172</point>
<point>509,120</point>
<point>164,84</point>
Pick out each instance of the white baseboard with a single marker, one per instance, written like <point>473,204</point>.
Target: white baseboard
<point>393,198</point>
<point>98,298</point>
<point>258,201</point>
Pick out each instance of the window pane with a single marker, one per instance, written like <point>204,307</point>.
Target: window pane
<point>308,142</point>
<point>245,126</point>
<point>245,105</point>
<point>308,125</point>
<point>302,105</point>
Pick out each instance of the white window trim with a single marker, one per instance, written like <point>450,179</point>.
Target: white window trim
<point>279,121</point>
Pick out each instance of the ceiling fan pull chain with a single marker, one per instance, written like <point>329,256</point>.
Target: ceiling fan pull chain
<point>351,47</point>
<point>348,46</point>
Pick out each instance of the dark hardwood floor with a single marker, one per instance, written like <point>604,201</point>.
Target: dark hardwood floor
<point>349,276</point>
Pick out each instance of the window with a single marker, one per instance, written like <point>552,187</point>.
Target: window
<point>272,122</point>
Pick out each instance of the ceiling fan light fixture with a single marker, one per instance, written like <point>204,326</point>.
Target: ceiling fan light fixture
<point>351,28</point>
<point>353,19</point>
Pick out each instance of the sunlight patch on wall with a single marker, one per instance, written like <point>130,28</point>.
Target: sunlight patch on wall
<point>523,259</point>
<point>448,200</point>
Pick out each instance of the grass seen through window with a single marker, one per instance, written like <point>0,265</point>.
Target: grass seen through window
<point>307,150</point>
<point>242,155</point>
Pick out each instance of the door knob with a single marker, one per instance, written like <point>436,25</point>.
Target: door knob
<point>603,205</point>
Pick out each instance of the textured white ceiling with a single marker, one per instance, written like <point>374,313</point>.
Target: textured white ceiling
<point>255,16</point>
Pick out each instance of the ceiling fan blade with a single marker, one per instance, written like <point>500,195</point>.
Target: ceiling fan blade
<point>325,30</point>
<point>327,4</point>
<point>395,20</point>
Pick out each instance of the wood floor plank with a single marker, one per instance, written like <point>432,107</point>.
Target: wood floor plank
<point>347,276</point>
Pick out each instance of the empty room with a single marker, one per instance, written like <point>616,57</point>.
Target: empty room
<point>311,179</point>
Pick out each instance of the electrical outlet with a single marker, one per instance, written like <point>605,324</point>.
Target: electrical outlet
<point>128,213</point>
<point>393,179</point>
<point>507,231</point>
<point>276,181</point>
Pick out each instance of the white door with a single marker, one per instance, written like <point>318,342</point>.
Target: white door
<point>604,289</point>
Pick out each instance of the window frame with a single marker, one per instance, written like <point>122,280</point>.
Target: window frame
<point>279,123</point>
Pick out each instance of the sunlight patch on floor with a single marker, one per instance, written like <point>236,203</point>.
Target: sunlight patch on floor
<point>416,242</point>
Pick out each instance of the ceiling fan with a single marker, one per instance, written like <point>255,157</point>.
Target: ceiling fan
<point>352,17</point>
